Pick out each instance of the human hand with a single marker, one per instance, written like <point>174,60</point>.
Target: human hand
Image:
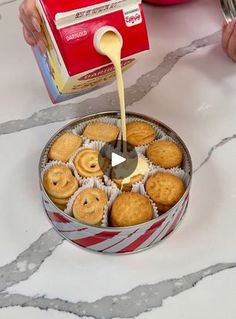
<point>229,39</point>
<point>30,18</point>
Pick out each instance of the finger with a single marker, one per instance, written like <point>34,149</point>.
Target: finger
<point>31,24</point>
<point>32,14</point>
<point>21,9</point>
<point>231,50</point>
<point>224,26</point>
<point>28,19</point>
<point>27,24</point>
<point>28,37</point>
<point>36,24</point>
<point>227,34</point>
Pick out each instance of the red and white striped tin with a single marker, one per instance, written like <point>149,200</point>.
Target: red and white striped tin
<point>116,240</point>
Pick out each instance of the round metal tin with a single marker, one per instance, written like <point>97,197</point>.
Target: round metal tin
<point>116,240</point>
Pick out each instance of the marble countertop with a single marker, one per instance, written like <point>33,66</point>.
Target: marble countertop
<point>187,82</point>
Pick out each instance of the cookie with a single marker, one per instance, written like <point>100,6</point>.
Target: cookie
<point>165,190</point>
<point>130,209</point>
<point>125,181</point>
<point>64,146</point>
<point>59,182</point>
<point>61,207</point>
<point>165,154</point>
<point>59,201</point>
<point>140,133</point>
<point>88,163</point>
<point>101,131</point>
<point>89,206</point>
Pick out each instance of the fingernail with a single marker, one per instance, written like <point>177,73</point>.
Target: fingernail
<point>42,47</point>
<point>36,24</point>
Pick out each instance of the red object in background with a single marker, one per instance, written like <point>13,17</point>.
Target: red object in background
<point>165,2</point>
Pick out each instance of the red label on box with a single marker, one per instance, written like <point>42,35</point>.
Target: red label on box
<point>76,42</point>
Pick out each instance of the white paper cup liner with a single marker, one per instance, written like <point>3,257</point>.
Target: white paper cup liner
<point>111,192</point>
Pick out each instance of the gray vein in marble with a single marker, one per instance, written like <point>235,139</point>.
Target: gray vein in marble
<point>29,261</point>
<point>129,305</point>
<point>7,2</point>
<point>109,101</point>
<point>213,149</point>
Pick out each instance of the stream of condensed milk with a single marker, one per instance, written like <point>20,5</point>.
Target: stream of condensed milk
<point>110,45</point>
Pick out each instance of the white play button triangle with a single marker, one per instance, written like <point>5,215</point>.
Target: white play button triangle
<point>117,159</point>
<point>124,162</point>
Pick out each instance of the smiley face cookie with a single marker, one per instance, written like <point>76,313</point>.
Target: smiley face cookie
<point>165,190</point>
<point>165,154</point>
<point>89,206</point>
<point>140,133</point>
<point>64,146</point>
<point>88,163</point>
<point>60,184</point>
<point>130,209</point>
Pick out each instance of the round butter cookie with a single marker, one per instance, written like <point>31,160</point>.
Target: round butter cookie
<point>130,209</point>
<point>165,154</point>
<point>165,190</point>
<point>140,133</point>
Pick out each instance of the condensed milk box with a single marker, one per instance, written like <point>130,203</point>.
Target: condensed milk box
<point>72,65</point>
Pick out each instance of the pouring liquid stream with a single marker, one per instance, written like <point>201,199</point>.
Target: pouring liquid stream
<point>110,45</point>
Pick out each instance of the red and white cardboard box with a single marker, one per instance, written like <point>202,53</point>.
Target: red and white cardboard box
<point>72,66</point>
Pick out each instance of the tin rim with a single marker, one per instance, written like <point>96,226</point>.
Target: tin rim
<point>133,252</point>
<point>117,114</point>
